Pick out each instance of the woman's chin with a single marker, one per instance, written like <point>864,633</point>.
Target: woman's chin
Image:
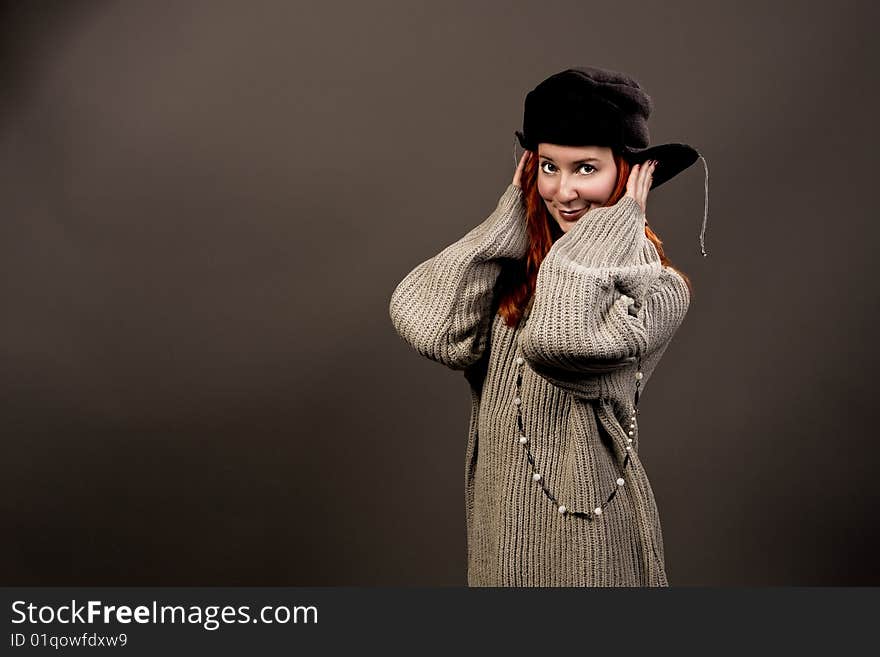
<point>567,225</point>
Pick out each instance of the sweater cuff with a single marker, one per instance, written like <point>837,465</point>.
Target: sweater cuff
<point>506,229</point>
<point>612,236</point>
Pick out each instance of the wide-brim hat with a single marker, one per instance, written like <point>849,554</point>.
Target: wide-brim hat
<point>594,106</point>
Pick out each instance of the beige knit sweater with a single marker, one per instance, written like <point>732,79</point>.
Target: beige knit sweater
<point>555,493</point>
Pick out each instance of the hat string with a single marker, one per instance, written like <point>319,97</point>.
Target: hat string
<point>705,206</point>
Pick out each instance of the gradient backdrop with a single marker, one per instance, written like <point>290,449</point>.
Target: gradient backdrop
<point>207,205</point>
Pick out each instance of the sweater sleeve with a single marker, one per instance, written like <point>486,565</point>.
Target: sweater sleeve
<point>602,298</point>
<point>442,307</point>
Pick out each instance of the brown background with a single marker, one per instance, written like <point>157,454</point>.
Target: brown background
<point>206,207</point>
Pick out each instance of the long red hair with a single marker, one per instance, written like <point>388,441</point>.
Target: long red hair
<point>517,280</point>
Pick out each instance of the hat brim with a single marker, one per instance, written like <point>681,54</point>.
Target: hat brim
<point>672,159</point>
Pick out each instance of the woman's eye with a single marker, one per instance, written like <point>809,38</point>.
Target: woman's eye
<point>547,167</point>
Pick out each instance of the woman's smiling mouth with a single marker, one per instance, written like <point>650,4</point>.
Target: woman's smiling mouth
<point>574,214</point>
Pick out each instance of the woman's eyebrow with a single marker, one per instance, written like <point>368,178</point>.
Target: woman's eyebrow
<point>589,159</point>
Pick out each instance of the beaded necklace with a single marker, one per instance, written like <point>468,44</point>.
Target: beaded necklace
<point>536,474</point>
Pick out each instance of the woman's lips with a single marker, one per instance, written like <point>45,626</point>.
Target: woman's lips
<point>573,216</point>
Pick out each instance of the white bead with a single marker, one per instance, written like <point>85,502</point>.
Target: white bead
<point>620,481</point>
<point>562,509</point>
<point>517,401</point>
<point>632,426</point>
<point>536,477</point>
<point>519,360</point>
<point>598,510</point>
<point>638,375</point>
<point>629,440</point>
<point>630,433</point>
<point>523,439</point>
<point>628,447</point>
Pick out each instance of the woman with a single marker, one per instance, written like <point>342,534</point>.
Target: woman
<point>558,307</point>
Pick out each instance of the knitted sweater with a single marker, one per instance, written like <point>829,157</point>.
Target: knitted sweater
<point>555,493</point>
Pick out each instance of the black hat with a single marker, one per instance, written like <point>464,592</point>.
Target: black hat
<point>594,106</point>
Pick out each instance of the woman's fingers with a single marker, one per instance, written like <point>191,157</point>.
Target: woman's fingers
<point>649,179</point>
<point>633,188</point>
<point>517,176</point>
<point>631,181</point>
<point>639,182</point>
<point>643,172</point>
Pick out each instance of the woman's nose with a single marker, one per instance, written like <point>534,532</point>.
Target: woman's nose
<point>567,191</point>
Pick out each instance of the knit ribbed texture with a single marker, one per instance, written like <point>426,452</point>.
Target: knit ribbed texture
<point>603,303</point>
<point>442,307</point>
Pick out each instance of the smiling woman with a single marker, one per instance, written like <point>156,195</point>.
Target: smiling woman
<point>578,176</point>
<point>558,307</point>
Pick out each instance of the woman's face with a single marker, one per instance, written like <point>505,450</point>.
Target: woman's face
<point>577,178</point>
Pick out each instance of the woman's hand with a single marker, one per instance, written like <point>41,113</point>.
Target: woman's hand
<point>517,176</point>
<point>640,182</point>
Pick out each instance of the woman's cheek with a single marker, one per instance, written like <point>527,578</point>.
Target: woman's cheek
<point>544,188</point>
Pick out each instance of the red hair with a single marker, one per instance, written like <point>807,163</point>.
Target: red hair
<point>517,281</point>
